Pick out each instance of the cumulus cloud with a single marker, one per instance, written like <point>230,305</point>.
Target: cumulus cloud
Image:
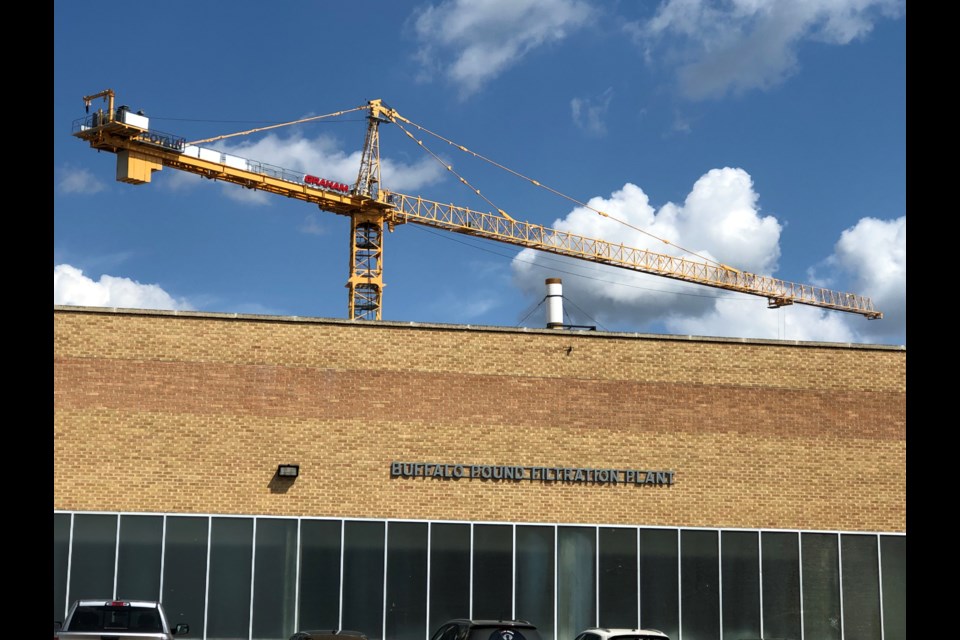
<point>739,45</point>
<point>719,220</point>
<point>77,181</point>
<point>590,114</point>
<point>71,287</point>
<point>470,42</point>
<point>737,316</point>
<point>320,156</point>
<point>870,259</point>
<point>872,256</point>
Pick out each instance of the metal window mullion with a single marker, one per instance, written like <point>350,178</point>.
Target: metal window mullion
<point>720,578</point>
<point>163,554</point>
<point>880,585</point>
<point>383,603</point>
<point>206,585</point>
<point>429,569</point>
<point>596,576</point>
<point>680,587</point>
<point>116,558</point>
<point>470,591</point>
<point>343,526</point>
<point>253,573</point>
<point>296,588</point>
<point>556,550</point>
<point>639,612</point>
<point>800,572</point>
<point>760,570</point>
<point>66,603</point>
<point>840,573</point>
<point>513,604</point>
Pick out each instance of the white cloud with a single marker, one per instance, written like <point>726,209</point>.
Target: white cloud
<point>312,225</point>
<point>681,124</point>
<point>750,318</point>
<point>589,114</point>
<point>255,309</point>
<point>71,287</point>
<point>472,42</point>
<point>472,310</point>
<point>719,220</point>
<point>740,45</point>
<point>180,180</point>
<point>873,253</point>
<point>870,257</point>
<point>73,180</point>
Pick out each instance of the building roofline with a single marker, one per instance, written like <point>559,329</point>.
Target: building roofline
<point>385,324</point>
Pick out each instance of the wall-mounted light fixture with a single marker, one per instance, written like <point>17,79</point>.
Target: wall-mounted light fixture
<point>288,471</point>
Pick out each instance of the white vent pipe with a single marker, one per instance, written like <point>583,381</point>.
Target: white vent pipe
<point>554,303</point>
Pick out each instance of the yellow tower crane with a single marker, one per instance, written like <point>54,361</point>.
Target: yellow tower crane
<point>373,209</point>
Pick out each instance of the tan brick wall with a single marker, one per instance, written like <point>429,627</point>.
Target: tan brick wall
<point>192,413</point>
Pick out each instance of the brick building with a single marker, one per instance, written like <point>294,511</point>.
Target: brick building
<point>711,488</point>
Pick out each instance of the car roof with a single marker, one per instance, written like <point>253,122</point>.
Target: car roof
<point>329,633</point>
<point>609,632</point>
<point>481,622</point>
<point>102,602</point>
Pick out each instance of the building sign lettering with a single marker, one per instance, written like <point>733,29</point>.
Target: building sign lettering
<point>547,475</point>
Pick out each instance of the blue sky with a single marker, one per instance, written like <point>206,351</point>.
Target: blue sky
<point>767,135</point>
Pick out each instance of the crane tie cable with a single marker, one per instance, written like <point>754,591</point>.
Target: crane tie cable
<point>275,126</point>
<point>550,189</point>
<point>450,169</point>
<point>394,116</point>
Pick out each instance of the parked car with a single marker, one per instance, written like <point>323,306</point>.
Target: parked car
<point>598,633</point>
<point>91,619</point>
<point>465,629</point>
<point>329,634</point>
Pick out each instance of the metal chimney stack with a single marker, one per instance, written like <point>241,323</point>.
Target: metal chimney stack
<point>554,303</point>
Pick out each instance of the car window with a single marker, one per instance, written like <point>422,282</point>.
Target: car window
<point>446,632</point>
<point>439,632</point>
<point>505,633</point>
<point>107,618</point>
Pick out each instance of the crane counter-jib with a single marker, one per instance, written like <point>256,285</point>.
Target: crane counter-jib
<point>141,151</point>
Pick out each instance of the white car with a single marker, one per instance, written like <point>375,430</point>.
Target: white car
<point>599,633</point>
<point>95,619</point>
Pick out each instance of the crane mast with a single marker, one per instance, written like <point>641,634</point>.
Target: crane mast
<point>372,209</point>
<point>365,284</point>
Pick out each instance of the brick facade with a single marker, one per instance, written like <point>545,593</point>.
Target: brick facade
<point>192,412</point>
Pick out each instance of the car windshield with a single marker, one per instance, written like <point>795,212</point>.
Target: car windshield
<point>106,618</point>
<point>634,636</point>
<point>503,633</point>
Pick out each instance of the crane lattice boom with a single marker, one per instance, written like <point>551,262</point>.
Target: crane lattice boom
<point>141,151</point>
